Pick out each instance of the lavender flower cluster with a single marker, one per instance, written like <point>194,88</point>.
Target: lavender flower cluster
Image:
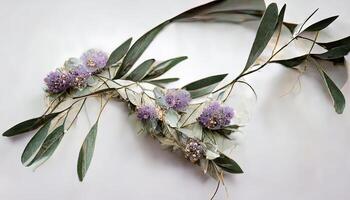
<point>146,113</point>
<point>215,116</point>
<point>76,72</point>
<point>177,99</point>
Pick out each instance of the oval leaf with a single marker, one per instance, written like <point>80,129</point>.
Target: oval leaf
<point>86,152</point>
<point>163,67</point>
<point>35,143</point>
<point>29,125</point>
<point>141,71</point>
<point>49,145</point>
<point>265,32</point>
<point>204,86</point>
<point>119,52</point>
<point>137,49</point>
<point>228,165</point>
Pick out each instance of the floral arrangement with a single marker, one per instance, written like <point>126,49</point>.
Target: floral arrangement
<point>192,119</point>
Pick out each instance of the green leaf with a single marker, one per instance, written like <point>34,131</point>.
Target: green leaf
<point>334,53</point>
<point>204,86</point>
<point>163,67</point>
<point>141,71</point>
<point>335,93</point>
<point>228,165</point>
<point>321,24</point>
<point>35,143</point>
<point>291,26</point>
<point>337,43</point>
<point>265,32</point>
<point>137,49</point>
<point>162,82</point>
<point>119,52</point>
<point>29,125</point>
<point>291,62</point>
<point>224,11</point>
<point>49,145</point>
<point>86,152</point>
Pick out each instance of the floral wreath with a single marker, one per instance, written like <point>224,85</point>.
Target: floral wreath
<point>193,119</point>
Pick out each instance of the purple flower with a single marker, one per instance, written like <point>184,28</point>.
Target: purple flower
<point>80,77</point>
<point>57,81</point>
<point>177,99</point>
<point>216,116</point>
<point>94,60</point>
<point>146,113</point>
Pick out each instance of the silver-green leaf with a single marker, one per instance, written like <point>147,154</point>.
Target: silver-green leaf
<point>119,53</point>
<point>163,67</point>
<point>35,143</point>
<point>141,71</point>
<point>137,49</point>
<point>204,86</point>
<point>265,32</point>
<point>86,152</point>
<point>29,125</point>
<point>49,146</point>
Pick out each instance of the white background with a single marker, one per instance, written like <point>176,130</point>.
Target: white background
<point>294,147</point>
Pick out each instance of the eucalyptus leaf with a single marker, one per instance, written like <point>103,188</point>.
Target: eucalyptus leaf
<point>203,86</point>
<point>334,53</point>
<point>224,11</point>
<point>163,67</point>
<point>29,125</point>
<point>49,146</point>
<point>265,32</point>
<point>193,131</point>
<point>137,49</point>
<point>172,118</point>
<point>228,165</point>
<point>119,53</point>
<point>162,82</point>
<point>290,26</point>
<point>133,97</point>
<point>35,143</point>
<point>160,98</point>
<point>291,62</point>
<point>141,71</point>
<point>320,25</point>
<point>337,96</point>
<point>86,152</point>
<point>337,43</point>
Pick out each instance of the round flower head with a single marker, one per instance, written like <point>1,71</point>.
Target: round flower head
<point>146,113</point>
<point>80,77</point>
<point>94,60</point>
<point>216,116</point>
<point>177,99</point>
<point>57,81</point>
<point>194,150</point>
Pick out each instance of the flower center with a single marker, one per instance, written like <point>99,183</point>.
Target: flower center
<point>91,63</point>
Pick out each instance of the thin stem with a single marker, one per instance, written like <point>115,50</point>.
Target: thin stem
<point>76,116</point>
<point>216,190</point>
<point>183,124</point>
<point>102,108</point>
